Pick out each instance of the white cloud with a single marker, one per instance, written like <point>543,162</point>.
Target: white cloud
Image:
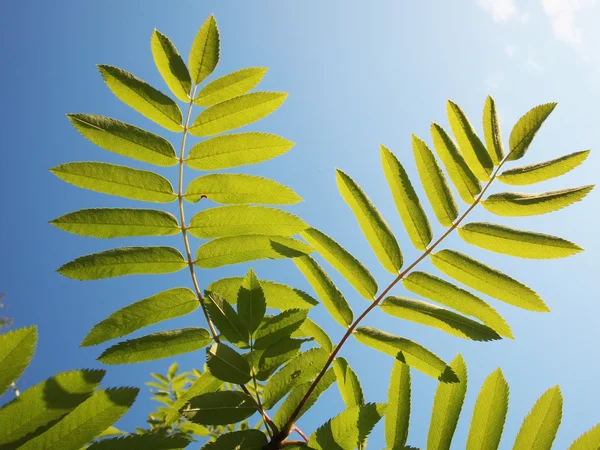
<point>495,80</point>
<point>562,14</point>
<point>501,10</point>
<point>533,65</point>
<point>509,49</point>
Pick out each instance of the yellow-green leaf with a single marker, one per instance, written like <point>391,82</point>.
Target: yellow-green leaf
<point>397,414</point>
<point>226,364</point>
<point>171,66</point>
<point>16,350</point>
<point>407,202</point>
<point>491,131</point>
<point>204,54</point>
<point>541,424</point>
<point>374,227</point>
<point>348,383</point>
<point>205,383</point>
<point>543,171</point>
<point>526,128</point>
<point>523,244</point>
<point>230,86</point>
<point>314,331</point>
<point>590,440</point>
<point>251,303</point>
<point>221,408</point>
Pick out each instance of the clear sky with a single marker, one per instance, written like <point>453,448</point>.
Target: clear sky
<point>359,74</point>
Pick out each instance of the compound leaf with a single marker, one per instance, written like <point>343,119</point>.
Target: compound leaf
<point>227,365</point>
<point>535,173</point>
<point>204,54</point>
<point>491,131</point>
<point>16,350</point>
<point>541,424</point>
<point>526,128</point>
<point>171,66</point>
<point>397,414</point>
<point>230,86</point>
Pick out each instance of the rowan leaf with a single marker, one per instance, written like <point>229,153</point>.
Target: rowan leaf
<point>229,323</point>
<point>236,112</point>
<point>237,249</point>
<point>171,66</point>
<point>589,440</point>
<point>155,441</point>
<point>491,131</point>
<point>526,128</point>
<point>251,304</point>
<point>522,244</point>
<point>434,183</point>
<point>279,327</point>
<point>239,440</point>
<point>117,180</point>
<point>205,383</point>
<point>541,424</point>
<point>157,308</point>
<point>204,54</point>
<point>314,331</point>
<point>220,408</point>
<point>240,189</point>
<point>374,227</point>
<point>348,383</point>
<point>142,97</point>
<point>162,344</point>
<point>124,261</point>
<point>226,364</point>
<point>535,173</point>
<point>397,415</point>
<point>229,86</point>
<point>276,355</point>
<point>16,350</point>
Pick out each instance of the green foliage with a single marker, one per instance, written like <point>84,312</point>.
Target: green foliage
<point>230,86</point>
<point>16,350</point>
<point>397,415</point>
<point>541,424</point>
<point>543,171</point>
<point>220,408</point>
<point>526,128</point>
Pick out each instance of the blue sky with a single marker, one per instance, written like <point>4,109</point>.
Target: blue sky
<point>358,74</point>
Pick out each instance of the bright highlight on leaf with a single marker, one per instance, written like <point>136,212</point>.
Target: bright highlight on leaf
<point>251,303</point>
<point>16,350</point>
<point>491,131</point>
<point>204,54</point>
<point>543,171</point>
<point>541,424</point>
<point>230,86</point>
<point>171,66</point>
<point>526,128</point>
<point>397,414</point>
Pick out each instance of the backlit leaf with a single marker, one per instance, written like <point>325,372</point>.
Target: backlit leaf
<point>526,128</point>
<point>154,441</point>
<point>204,384</point>
<point>230,86</point>
<point>239,440</point>
<point>220,408</point>
<point>541,424</point>
<point>279,327</point>
<point>535,173</point>
<point>171,66</point>
<point>251,304</point>
<point>312,330</point>
<point>397,414</point>
<point>348,383</point>
<point>16,350</point>
<point>229,323</point>
<point>227,365</point>
<point>590,440</point>
<point>204,54</point>
<point>276,355</point>
<point>491,131</point>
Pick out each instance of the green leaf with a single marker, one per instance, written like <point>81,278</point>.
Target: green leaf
<point>251,304</point>
<point>348,383</point>
<point>239,440</point>
<point>347,430</point>
<point>541,424</point>
<point>16,350</point>
<point>406,351</point>
<point>434,183</point>
<point>204,54</point>
<point>397,415</point>
<point>240,189</point>
<point>162,344</point>
<point>124,139</point>
<point>436,317</point>
<point>466,183</point>
<point>485,279</point>
<point>312,330</point>
<point>491,131</point>
<point>220,408</point>
<point>86,421</point>
<point>205,383</point>
<point>227,365</point>
<point>117,180</point>
<point>276,355</point>
<point>489,413</point>
<point>535,173</point>
<point>234,150</point>
<point>242,219</point>
<point>40,406</point>
<point>171,66</point>
<point>526,128</point>
<point>237,249</point>
<point>330,295</point>
<point>118,222</point>
<point>278,296</point>
<point>142,97</point>
<point>230,86</point>
<point>350,267</point>
<point>236,112</point>
<point>157,308</point>
<point>279,327</point>
<point>407,202</point>
<point>154,441</point>
<point>301,369</point>
<point>515,204</point>
<point>124,261</point>
<point>231,326</point>
<point>448,402</point>
<point>522,244</point>
<point>375,229</point>
<point>469,143</point>
<point>590,440</point>
<point>173,368</point>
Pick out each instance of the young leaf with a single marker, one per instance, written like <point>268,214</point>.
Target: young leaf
<point>526,128</point>
<point>522,244</point>
<point>490,281</point>
<point>239,440</point>
<point>227,365</point>
<point>446,293</point>
<point>204,54</point>
<point>541,424</point>
<point>234,150</point>
<point>171,66</point>
<point>350,267</point>
<point>118,222</point>
<point>238,249</point>
<point>251,304</point>
<point>86,421</point>
<point>466,183</point>
<point>16,350</point>
<point>231,326</point>
<point>375,229</point>
<point>407,352</point>
<point>491,131</point>
<point>124,261</point>
<point>236,112</point>
<point>407,202</point>
<point>162,344</point>
<point>276,355</point>
<point>543,171</point>
<point>489,414</point>
<point>242,219</point>
<point>279,327</point>
<point>39,407</point>
<point>469,143</point>
<point>230,86</point>
<point>314,331</point>
<point>348,383</point>
<point>142,97</point>
<point>124,139</point>
<point>436,317</point>
<point>240,189</point>
<point>434,183</point>
<point>220,408</point>
<point>515,204</point>
<point>397,414</point>
<point>155,441</point>
<point>330,295</point>
<point>157,308</point>
<point>448,402</point>
<point>589,440</point>
<point>117,180</point>
<point>205,383</point>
